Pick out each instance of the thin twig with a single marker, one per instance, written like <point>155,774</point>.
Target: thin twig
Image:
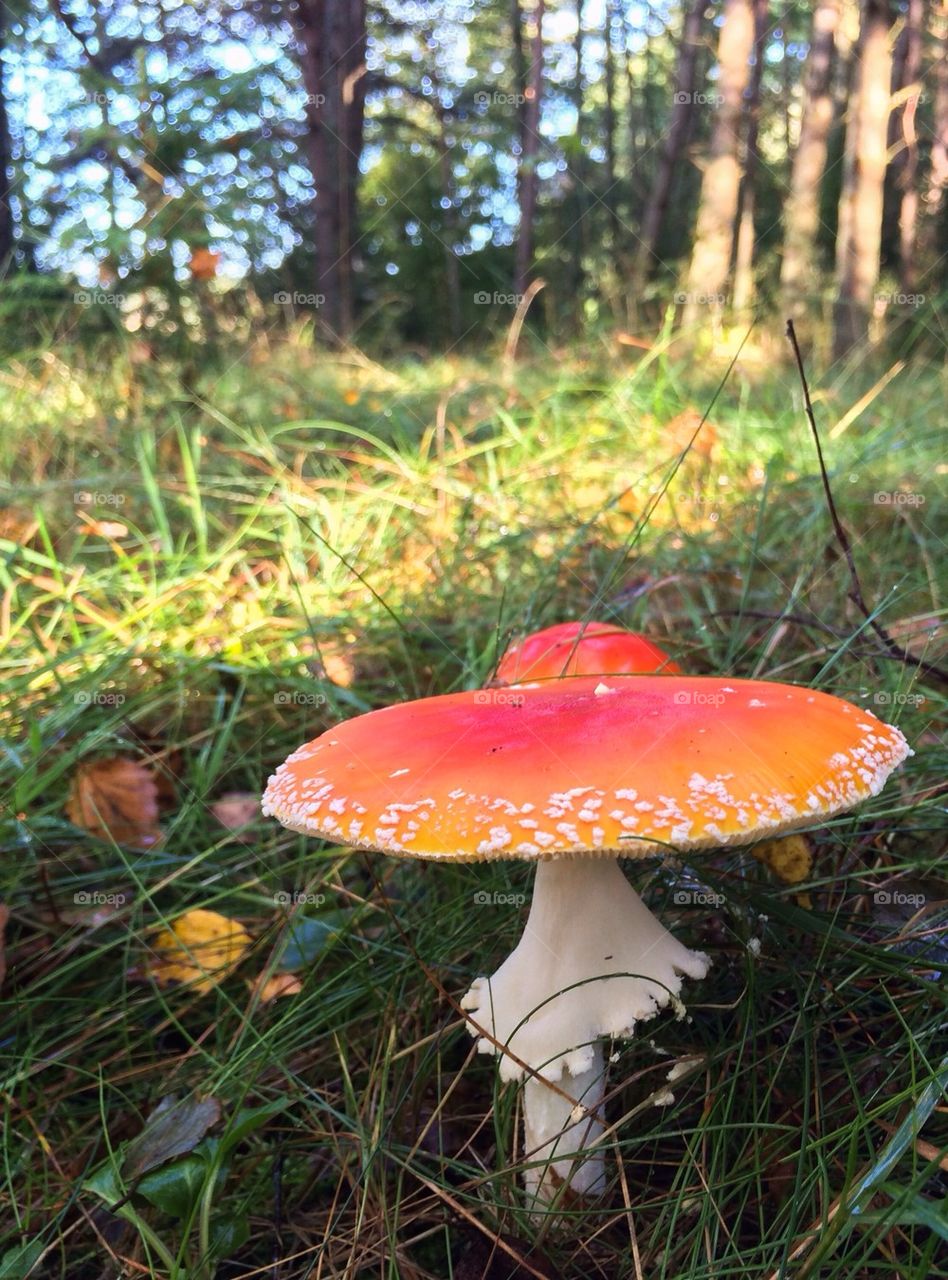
<point>855,591</point>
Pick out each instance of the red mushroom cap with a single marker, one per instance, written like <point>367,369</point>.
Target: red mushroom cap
<point>624,765</point>
<point>582,649</point>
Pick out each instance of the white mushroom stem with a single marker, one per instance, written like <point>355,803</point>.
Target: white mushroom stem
<point>555,1128</point>
<point>593,961</point>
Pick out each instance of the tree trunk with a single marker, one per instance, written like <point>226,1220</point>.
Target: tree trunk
<point>717,209</point>
<point>332,39</point>
<point>451,266</point>
<point>676,140</point>
<point>578,165</point>
<point>610,129</point>
<point>798,276</point>
<point>744,232</point>
<point>530,150</point>
<point>905,163</point>
<point>933,202</point>
<point>519,69</point>
<point>860,240</point>
<point>7,239</point>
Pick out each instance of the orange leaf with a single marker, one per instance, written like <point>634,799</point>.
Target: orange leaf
<point>277,985</point>
<point>204,263</point>
<point>115,799</point>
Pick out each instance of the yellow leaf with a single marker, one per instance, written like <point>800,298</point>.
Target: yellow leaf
<point>201,948</point>
<point>789,858</point>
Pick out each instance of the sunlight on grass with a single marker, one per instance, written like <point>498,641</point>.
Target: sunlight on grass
<point>303,538</point>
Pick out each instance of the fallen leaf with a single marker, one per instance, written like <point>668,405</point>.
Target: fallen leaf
<point>790,858</point>
<point>4,917</point>
<point>306,937</point>
<point>236,809</point>
<point>17,524</point>
<point>201,948</point>
<point>925,636</point>
<point>336,664</point>
<point>266,989</point>
<point>115,799</point>
<point>102,528</point>
<point>174,1128</point>
<point>350,396</point>
<point>203,264</point>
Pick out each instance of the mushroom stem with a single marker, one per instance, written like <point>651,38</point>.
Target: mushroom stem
<point>556,1128</point>
<point>592,962</point>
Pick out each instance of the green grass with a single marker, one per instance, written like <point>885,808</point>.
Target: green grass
<point>307,538</point>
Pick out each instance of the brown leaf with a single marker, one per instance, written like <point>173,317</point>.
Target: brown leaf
<point>115,799</point>
<point>174,1128</point>
<point>236,809</point>
<point>924,636</point>
<point>17,524</point>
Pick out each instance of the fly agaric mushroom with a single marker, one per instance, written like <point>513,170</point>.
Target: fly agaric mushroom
<point>581,649</point>
<point>574,774</point>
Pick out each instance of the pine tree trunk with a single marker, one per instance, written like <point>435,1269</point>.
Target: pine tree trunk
<point>933,203</point>
<point>530,148</point>
<point>744,236</point>
<point>332,39</point>
<point>906,164</point>
<point>578,166</point>
<point>7,240</point>
<point>717,210</point>
<point>676,140</point>
<point>519,68</point>
<point>860,239</point>
<point>610,129</point>
<point>798,276</point>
